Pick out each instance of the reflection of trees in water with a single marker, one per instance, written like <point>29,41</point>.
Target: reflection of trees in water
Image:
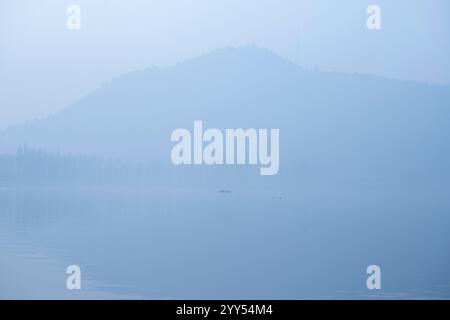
<point>50,206</point>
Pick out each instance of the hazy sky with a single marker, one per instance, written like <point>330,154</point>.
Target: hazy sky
<point>44,66</point>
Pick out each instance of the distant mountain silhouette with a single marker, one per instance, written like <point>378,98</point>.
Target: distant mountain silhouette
<point>332,125</point>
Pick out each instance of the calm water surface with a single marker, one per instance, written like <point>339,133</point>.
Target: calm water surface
<point>179,244</point>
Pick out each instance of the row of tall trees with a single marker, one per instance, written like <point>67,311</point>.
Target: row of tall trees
<point>31,165</point>
<point>41,167</point>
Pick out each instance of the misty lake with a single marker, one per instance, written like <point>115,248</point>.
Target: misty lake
<point>242,244</point>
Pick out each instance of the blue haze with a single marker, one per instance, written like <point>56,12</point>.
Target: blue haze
<point>85,171</point>
<point>364,179</point>
<point>56,66</point>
